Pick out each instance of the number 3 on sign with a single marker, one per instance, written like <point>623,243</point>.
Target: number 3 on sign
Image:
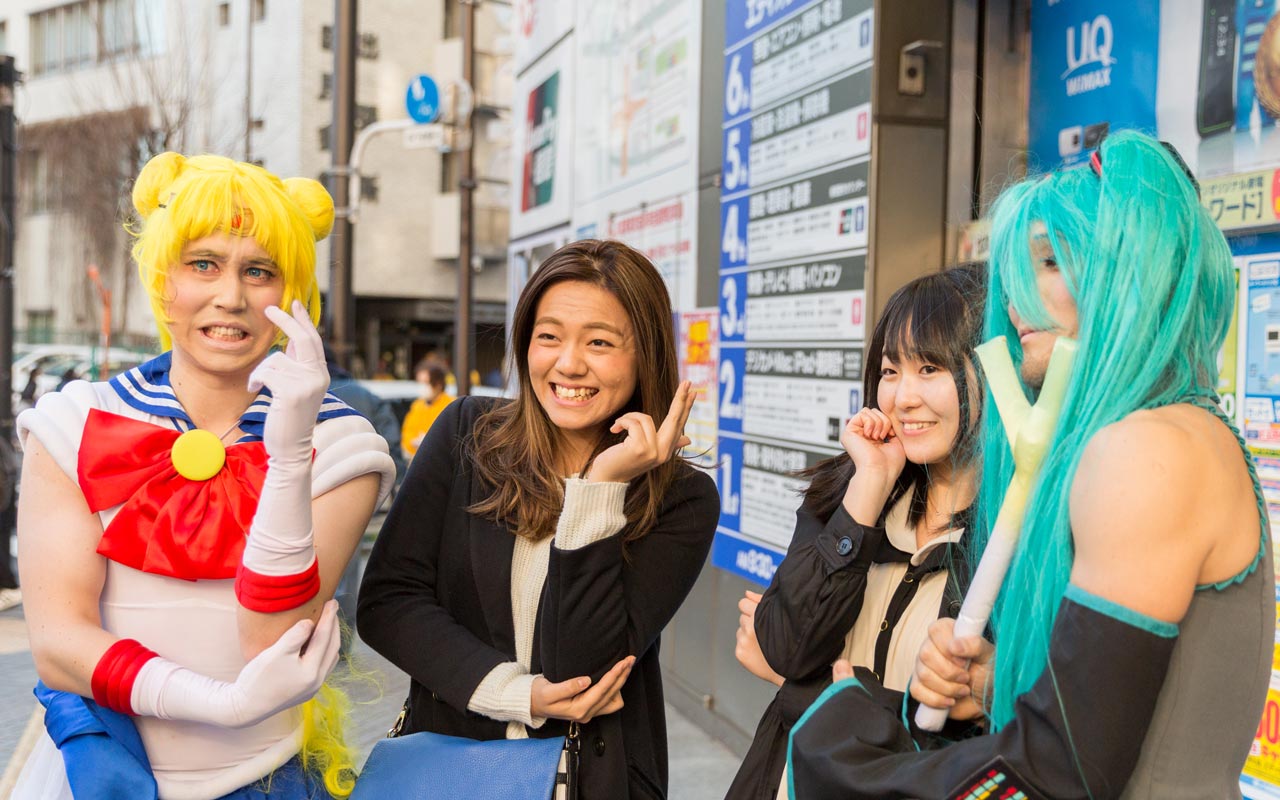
<point>733,320</point>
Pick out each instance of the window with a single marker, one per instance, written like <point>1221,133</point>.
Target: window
<point>367,47</point>
<point>4,40</point>
<point>369,188</point>
<point>117,33</point>
<point>365,116</point>
<point>39,326</point>
<point>326,86</point>
<point>33,176</point>
<point>259,10</point>
<point>452,19</point>
<point>224,14</point>
<point>450,172</point>
<point>78,34</point>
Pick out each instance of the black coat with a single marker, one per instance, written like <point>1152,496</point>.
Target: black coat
<point>802,621</point>
<point>436,602</point>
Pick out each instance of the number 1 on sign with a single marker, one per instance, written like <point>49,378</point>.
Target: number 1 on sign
<point>729,499</point>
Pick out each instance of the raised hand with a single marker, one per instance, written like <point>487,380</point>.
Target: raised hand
<point>869,440</point>
<point>576,699</point>
<point>298,379</point>
<point>645,446</point>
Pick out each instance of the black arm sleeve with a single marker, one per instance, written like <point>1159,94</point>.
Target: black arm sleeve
<point>600,605</point>
<point>816,594</point>
<point>1076,734</point>
<point>398,613</point>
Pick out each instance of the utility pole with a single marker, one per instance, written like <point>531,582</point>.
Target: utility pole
<point>340,320</point>
<point>9,77</point>
<point>248,80</point>
<point>466,234</point>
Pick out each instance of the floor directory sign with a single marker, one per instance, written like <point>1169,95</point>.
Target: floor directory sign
<point>794,221</point>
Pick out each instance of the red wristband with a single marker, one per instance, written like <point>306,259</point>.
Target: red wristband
<point>118,668</point>
<point>269,594</point>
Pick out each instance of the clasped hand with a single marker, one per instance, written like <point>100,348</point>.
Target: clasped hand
<point>645,446</point>
<point>953,673</point>
<point>576,699</point>
<point>298,379</point>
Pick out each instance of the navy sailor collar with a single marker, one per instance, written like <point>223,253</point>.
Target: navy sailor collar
<point>146,388</point>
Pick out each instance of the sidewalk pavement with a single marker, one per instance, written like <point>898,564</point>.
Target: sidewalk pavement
<point>701,768</point>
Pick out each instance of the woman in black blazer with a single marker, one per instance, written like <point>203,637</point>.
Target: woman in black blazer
<point>539,546</point>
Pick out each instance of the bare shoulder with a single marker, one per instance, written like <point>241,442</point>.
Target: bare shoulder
<point>1147,453</point>
<point>1147,507</point>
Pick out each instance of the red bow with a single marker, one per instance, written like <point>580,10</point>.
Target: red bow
<point>169,525</point>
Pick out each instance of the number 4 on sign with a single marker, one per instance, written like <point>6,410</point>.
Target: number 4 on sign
<point>731,243</point>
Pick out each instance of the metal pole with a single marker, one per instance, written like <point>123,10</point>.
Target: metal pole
<point>9,77</point>
<point>466,235</point>
<point>340,321</point>
<point>248,80</point>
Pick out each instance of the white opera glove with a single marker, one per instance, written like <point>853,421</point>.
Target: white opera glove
<point>280,677</point>
<point>278,570</point>
<point>298,380</point>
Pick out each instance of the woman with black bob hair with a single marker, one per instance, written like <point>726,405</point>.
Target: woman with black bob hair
<point>539,546</point>
<point>876,555</point>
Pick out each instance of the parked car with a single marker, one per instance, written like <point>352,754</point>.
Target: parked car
<point>86,361</point>
<point>401,394</point>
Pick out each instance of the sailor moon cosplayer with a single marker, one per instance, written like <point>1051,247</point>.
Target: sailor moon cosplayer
<point>176,580</point>
<point>1133,635</point>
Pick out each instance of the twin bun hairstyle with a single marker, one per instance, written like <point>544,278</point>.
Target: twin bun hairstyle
<point>180,200</point>
<point>165,175</point>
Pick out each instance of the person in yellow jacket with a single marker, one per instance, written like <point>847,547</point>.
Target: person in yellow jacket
<point>425,409</point>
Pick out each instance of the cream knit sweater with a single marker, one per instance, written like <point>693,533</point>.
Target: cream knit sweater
<point>592,512</point>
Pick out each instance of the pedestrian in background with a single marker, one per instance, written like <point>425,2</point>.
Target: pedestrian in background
<point>422,414</point>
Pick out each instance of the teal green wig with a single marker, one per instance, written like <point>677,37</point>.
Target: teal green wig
<point>1152,279</point>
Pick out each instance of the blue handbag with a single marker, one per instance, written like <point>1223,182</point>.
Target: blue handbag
<point>432,766</point>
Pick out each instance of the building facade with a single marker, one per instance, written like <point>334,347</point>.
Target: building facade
<point>108,83</point>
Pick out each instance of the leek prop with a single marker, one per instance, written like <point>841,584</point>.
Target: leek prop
<point>1029,429</point>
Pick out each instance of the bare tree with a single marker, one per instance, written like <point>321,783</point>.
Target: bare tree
<point>140,98</point>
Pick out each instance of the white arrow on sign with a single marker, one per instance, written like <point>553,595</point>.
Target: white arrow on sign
<point>423,136</point>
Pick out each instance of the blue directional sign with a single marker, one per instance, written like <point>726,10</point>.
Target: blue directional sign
<point>423,100</point>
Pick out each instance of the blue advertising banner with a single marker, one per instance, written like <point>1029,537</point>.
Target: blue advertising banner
<point>1094,68</point>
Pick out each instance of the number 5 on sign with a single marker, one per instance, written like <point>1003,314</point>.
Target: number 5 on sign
<point>735,159</point>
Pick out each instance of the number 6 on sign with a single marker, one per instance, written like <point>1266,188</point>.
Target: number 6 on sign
<point>737,97</point>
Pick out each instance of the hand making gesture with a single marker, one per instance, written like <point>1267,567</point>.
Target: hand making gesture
<point>644,447</point>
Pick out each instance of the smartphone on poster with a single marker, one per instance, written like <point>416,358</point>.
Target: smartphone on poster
<point>1215,103</point>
